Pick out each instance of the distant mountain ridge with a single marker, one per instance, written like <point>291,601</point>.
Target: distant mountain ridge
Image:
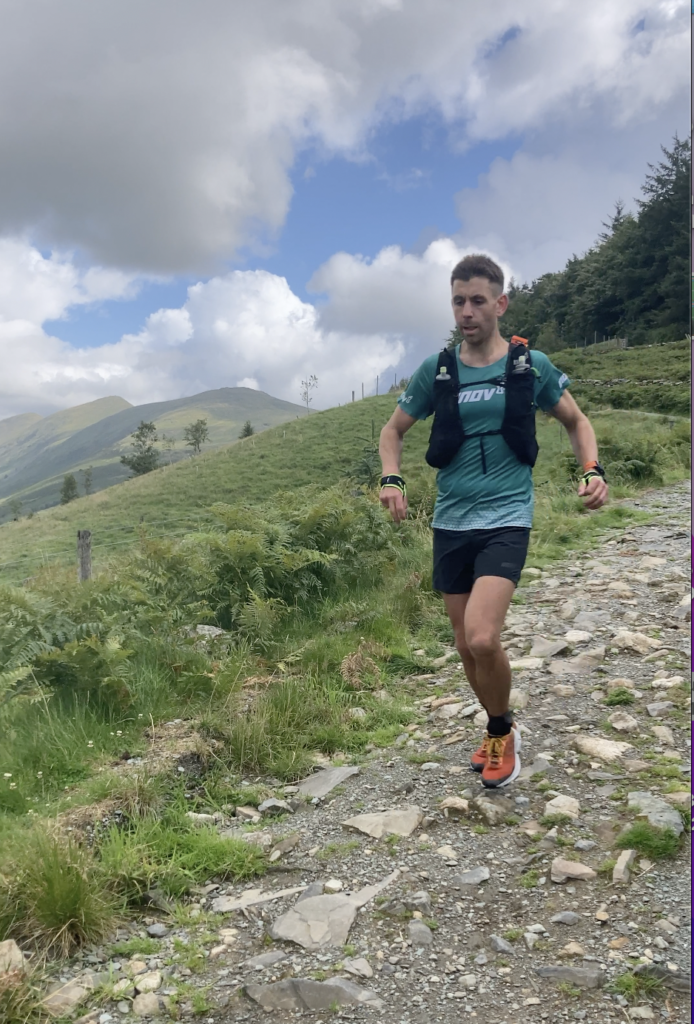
<point>36,452</point>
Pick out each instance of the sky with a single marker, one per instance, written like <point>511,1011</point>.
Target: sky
<point>276,190</point>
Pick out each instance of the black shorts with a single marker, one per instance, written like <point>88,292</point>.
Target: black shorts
<point>462,556</point>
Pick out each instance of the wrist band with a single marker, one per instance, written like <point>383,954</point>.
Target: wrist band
<point>589,476</point>
<point>393,480</point>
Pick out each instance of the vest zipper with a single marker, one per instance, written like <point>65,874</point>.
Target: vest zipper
<point>484,461</point>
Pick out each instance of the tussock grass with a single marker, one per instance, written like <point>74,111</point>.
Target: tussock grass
<point>657,843</point>
<point>52,895</point>
<point>622,695</point>
<point>636,986</point>
<point>20,997</point>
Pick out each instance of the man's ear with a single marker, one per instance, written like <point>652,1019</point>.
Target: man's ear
<point>501,305</point>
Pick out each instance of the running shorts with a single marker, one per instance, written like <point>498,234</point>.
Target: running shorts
<point>462,556</point>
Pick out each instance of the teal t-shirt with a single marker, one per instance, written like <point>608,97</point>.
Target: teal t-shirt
<point>485,486</point>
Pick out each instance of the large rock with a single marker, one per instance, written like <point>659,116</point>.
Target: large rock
<point>299,994</point>
<point>320,784</point>
<point>657,811</point>
<point>455,805</point>
<point>11,957</point>
<point>401,821</point>
<point>274,806</point>
<point>148,982</point>
<point>325,920</point>
<point>146,1005</point>
<point>494,810</point>
<point>500,945</point>
<point>563,805</point>
<point>566,917</point>
<point>638,642</point>
<point>263,960</point>
<point>523,664</point>
<point>420,934</point>
<point>577,636</point>
<point>581,977</point>
<point>538,766</point>
<point>474,876</point>
<point>664,734</point>
<point>358,966</point>
<point>659,707</point>
<point>623,722</point>
<point>543,648</point>
<point>563,870</point>
<point>676,980</point>
<point>63,999</point>
<point>449,710</point>
<point>605,750</point>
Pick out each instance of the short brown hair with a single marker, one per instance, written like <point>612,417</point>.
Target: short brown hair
<point>478,265</point>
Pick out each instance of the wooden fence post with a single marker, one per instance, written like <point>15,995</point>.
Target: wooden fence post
<point>84,555</point>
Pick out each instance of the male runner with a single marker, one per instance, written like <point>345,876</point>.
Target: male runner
<point>484,506</point>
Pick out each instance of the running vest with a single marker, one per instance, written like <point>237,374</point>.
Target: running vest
<point>518,425</point>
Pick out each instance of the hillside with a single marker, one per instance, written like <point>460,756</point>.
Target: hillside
<point>655,378</point>
<point>34,461</point>
<point>318,449</point>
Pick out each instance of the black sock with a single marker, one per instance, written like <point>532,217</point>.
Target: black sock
<point>500,725</point>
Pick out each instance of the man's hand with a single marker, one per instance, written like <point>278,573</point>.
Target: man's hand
<point>395,501</point>
<point>594,493</point>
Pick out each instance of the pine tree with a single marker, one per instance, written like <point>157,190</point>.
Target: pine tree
<point>247,429</point>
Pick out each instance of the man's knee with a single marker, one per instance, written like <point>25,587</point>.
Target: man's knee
<point>483,644</point>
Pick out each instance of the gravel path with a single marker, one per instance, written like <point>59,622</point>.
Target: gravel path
<point>432,948</point>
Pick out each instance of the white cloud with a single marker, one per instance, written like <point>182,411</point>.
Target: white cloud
<point>246,329</point>
<point>158,139</point>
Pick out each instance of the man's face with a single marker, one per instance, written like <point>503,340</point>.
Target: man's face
<point>477,305</point>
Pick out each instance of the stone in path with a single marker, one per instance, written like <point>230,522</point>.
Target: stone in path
<point>657,811</point>
<point>359,967</point>
<point>605,750</point>
<point>543,648</point>
<point>638,642</point>
<point>320,784</point>
<point>577,636</point>
<point>566,917</point>
<point>677,980</point>
<point>539,765</point>
<point>263,960</point>
<point>251,897</point>
<point>420,934</point>
<point>63,999</point>
<point>563,805</point>
<point>493,809</point>
<point>148,982</point>
<point>11,957</point>
<point>572,949</point>
<point>623,722</point>
<point>472,877</point>
<point>298,994</point>
<point>562,870</point>
<point>659,707</point>
<point>455,805</point>
<point>157,930</point>
<point>146,1005</point>
<point>500,945</point>
<point>622,869</point>
<point>325,920</point>
<point>521,664</point>
<point>401,821</point>
<point>581,977</point>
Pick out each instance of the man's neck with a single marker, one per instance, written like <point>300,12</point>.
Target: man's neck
<point>484,354</point>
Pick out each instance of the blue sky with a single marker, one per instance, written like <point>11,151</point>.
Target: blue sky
<point>240,199</point>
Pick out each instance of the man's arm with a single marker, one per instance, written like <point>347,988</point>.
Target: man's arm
<point>390,449</point>
<point>585,447</point>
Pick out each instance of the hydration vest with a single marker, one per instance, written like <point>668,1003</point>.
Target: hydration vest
<point>518,426</point>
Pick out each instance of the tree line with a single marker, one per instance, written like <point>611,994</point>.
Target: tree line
<point>634,281</point>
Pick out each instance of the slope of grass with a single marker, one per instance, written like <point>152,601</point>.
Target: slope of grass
<point>655,378</point>
<point>35,462</point>
<point>315,449</point>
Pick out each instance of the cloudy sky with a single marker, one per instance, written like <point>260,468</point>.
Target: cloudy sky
<point>281,188</point>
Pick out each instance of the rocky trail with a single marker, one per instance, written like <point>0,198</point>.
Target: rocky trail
<point>401,892</point>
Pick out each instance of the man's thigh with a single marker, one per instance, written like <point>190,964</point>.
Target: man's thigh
<point>486,608</point>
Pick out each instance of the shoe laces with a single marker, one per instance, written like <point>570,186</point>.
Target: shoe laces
<point>495,750</point>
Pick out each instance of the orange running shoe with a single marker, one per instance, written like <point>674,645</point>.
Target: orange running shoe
<point>503,763</point>
<point>479,758</point>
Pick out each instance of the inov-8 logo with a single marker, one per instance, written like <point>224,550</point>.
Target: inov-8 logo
<point>477,396</point>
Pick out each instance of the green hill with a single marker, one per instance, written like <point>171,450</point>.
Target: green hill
<point>655,378</point>
<point>34,461</point>
<point>316,449</point>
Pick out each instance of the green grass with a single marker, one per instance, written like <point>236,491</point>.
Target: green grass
<point>556,819</point>
<point>653,842</point>
<point>621,695</point>
<point>635,986</point>
<point>321,447</point>
<point>529,880</point>
<point>513,934</point>
<point>334,850</point>
<point>20,999</point>
<point>136,946</point>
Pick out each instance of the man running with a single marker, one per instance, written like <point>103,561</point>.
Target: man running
<point>484,507</point>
